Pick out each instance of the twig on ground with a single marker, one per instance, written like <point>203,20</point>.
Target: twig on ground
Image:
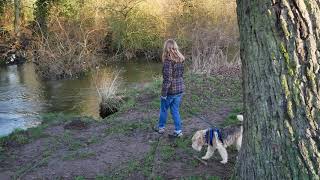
<point>202,161</point>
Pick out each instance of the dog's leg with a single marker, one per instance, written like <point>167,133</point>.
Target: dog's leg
<point>223,153</point>
<point>239,142</point>
<point>209,153</point>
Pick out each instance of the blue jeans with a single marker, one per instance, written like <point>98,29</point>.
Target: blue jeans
<point>172,101</point>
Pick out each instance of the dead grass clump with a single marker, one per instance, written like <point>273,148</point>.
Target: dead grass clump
<point>213,50</point>
<point>108,88</point>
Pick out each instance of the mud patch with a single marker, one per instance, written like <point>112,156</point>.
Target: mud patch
<point>90,160</point>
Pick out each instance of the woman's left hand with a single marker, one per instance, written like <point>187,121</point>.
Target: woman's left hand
<point>163,97</point>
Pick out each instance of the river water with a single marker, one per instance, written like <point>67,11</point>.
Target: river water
<point>24,97</point>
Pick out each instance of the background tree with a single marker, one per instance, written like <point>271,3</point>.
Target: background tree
<point>17,9</point>
<point>2,5</point>
<point>41,14</point>
<point>280,52</point>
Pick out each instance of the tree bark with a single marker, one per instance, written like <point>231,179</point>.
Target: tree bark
<point>16,22</point>
<point>280,52</point>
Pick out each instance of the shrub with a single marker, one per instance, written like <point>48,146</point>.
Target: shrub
<point>67,52</point>
<point>137,28</point>
<point>108,90</point>
<point>211,51</point>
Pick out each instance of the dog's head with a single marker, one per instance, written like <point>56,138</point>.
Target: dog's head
<point>198,140</point>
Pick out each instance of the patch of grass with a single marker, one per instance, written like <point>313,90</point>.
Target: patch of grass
<point>194,163</point>
<point>1,150</point>
<point>2,62</point>
<point>55,118</point>
<point>75,145</point>
<point>207,93</point>
<point>20,137</point>
<point>188,110</point>
<point>125,128</point>
<point>129,103</point>
<point>78,155</point>
<point>67,140</point>
<point>149,160</point>
<point>17,137</point>
<point>195,98</point>
<point>183,143</point>
<point>201,178</point>
<point>155,104</point>
<point>132,166</point>
<point>37,132</point>
<point>158,178</point>
<point>154,87</point>
<point>145,166</point>
<point>79,178</point>
<point>167,152</point>
<point>93,140</point>
<point>85,155</point>
<point>66,137</point>
<point>29,167</point>
<point>232,118</point>
<point>47,153</point>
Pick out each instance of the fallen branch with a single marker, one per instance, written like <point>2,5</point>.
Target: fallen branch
<point>202,161</point>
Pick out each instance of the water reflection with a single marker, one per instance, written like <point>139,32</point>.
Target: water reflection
<point>23,96</point>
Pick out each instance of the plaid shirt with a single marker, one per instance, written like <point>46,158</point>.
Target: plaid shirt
<point>172,78</point>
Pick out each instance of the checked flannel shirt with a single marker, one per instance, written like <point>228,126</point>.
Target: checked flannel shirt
<point>172,78</point>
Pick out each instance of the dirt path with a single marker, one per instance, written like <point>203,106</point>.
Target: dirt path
<point>122,146</point>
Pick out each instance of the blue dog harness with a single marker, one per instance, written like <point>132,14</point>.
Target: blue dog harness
<point>210,135</point>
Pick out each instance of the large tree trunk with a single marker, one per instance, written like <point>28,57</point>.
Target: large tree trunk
<point>280,52</point>
<point>17,9</point>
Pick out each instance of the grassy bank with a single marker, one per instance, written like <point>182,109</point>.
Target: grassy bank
<point>123,145</point>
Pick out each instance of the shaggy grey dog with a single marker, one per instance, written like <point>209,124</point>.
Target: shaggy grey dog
<point>220,140</point>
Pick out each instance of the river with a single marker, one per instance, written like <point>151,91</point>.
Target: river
<point>24,97</point>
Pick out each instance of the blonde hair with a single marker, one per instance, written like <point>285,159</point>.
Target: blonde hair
<point>171,51</point>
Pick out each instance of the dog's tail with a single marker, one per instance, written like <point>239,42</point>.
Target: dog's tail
<point>240,117</point>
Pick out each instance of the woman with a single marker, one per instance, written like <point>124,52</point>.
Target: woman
<point>172,86</point>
